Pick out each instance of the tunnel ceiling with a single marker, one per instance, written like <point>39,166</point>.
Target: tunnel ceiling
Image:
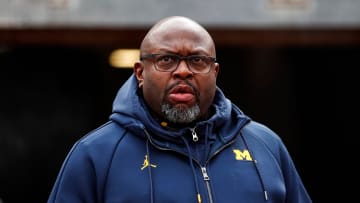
<point>140,13</point>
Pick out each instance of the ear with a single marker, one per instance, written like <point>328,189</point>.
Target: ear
<point>216,69</point>
<point>138,71</point>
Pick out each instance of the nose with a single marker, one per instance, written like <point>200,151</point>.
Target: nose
<point>183,70</point>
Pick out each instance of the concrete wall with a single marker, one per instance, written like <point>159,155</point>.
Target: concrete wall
<point>138,13</point>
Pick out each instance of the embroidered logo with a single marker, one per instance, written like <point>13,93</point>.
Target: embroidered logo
<point>242,155</point>
<point>146,163</point>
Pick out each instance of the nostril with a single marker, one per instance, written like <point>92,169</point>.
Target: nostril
<point>183,74</point>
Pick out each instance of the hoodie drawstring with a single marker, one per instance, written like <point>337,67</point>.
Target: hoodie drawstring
<point>150,172</point>
<point>193,170</point>
<point>198,196</point>
<point>256,168</point>
<point>199,200</point>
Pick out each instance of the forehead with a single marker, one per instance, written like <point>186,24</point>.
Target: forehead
<point>179,35</point>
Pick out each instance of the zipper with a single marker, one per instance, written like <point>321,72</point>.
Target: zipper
<point>205,174</point>
<point>207,183</point>
<point>195,138</point>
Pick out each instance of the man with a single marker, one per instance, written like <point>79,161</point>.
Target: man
<point>174,137</point>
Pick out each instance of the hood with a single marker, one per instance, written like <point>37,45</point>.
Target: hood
<point>131,112</point>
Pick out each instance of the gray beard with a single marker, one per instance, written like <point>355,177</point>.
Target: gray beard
<point>180,115</point>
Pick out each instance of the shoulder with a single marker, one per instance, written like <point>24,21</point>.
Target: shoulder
<point>109,132</point>
<point>260,134</point>
<point>91,154</point>
<point>260,130</point>
<point>95,148</point>
<point>103,139</point>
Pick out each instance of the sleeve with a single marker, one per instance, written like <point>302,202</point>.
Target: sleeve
<point>296,192</point>
<point>76,180</point>
<point>295,189</point>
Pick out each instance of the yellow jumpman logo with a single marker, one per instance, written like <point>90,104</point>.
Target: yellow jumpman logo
<point>146,163</point>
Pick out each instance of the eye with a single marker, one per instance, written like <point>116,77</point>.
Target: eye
<point>198,60</point>
<point>166,59</point>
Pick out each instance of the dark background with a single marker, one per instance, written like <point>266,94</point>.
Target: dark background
<point>54,93</point>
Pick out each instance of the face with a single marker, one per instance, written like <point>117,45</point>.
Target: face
<point>180,96</point>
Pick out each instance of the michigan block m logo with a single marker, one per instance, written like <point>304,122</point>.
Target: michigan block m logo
<point>242,155</point>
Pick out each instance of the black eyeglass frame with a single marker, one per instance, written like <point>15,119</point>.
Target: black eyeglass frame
<point>211,60</point>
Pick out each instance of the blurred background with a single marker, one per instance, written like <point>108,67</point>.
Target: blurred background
<point>289,64</point>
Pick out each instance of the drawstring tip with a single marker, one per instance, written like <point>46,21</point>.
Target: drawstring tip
<point>199,198</point>
<point>266,195</point>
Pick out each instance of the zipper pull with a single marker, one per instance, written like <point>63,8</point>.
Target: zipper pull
<point>194,135</point>
<point>205,175</point>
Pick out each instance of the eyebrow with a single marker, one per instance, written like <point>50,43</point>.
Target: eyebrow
<point>193,52</point>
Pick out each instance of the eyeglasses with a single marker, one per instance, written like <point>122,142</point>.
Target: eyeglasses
<point>170,62</point>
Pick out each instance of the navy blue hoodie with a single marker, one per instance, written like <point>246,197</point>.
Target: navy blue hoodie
<point>134,159</point>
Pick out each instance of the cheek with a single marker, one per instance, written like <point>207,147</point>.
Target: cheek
<point>207,91</point>
<point>154,83</point>
<point>153,90</point>
<point>208,84</point>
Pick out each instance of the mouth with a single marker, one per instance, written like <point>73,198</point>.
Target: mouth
<point>182,94</point>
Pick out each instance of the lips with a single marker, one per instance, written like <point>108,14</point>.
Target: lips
<point>181,94</point>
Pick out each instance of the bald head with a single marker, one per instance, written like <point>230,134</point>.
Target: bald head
<point>176,28</point>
